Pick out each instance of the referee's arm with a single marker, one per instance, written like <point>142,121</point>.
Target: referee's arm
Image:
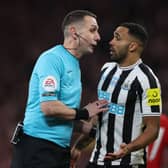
<point>59,109</point>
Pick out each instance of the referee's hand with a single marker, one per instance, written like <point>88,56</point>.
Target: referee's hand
<point>97,107</point>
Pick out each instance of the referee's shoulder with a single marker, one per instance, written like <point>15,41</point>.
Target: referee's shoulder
<point>50,55</point>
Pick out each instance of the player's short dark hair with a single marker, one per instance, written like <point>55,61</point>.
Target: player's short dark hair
<point>137,30</point>
<point>75,16</point>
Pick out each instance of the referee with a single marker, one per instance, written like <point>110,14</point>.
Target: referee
<point>134,96</point>
<point>54,97</point>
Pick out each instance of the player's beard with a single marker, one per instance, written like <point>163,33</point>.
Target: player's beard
<point>119,56</point>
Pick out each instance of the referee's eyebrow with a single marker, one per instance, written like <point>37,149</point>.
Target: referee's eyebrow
<point>94,26</point>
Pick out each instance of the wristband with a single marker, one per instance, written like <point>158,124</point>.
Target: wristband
<point>81,114</point>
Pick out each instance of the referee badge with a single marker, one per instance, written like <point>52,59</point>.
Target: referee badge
<point>49,84</point>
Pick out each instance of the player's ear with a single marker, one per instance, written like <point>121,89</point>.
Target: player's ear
<point>133,46</point>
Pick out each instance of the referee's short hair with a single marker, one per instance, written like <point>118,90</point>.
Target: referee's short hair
<point>75,16</point>
<point>137,30</point>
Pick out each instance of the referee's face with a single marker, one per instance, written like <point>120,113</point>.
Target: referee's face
<point>87,35</point>
<point>119,45</point>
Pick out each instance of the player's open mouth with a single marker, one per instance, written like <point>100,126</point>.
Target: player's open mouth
<point>112,50</point>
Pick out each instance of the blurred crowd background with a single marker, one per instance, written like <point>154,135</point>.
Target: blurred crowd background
<point>28,27</point>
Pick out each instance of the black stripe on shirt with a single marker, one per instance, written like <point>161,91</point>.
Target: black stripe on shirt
<point>111,120</point>
<point>108,79</point>
<point>128,118</point>
<point>98,147</point>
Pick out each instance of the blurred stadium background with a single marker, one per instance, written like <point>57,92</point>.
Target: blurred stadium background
<point>29,27</point>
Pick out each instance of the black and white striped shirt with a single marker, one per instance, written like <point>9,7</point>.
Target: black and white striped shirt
<point>133,92</point>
